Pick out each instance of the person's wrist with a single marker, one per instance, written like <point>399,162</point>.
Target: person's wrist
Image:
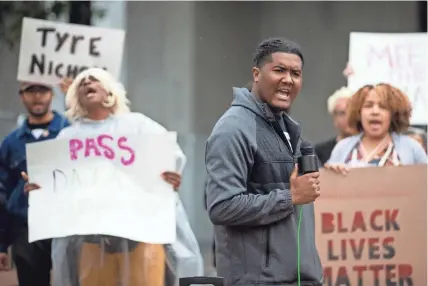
<point>293,200</point>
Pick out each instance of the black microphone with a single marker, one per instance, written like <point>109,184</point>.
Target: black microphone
<point>308,162</point>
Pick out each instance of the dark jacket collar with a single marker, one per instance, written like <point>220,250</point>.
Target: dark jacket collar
<point>58,122</point>
<point>244,98</point>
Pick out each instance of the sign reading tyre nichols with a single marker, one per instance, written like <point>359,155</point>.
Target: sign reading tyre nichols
<point>50,51</point>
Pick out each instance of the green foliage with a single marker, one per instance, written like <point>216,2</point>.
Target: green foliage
<point>12,13</point>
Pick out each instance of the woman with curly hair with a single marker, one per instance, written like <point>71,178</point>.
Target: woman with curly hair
<point>381,114</point>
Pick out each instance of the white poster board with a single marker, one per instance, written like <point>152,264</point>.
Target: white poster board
<point>398,59</point>
<point>110,184</point>
<point>50,50</point>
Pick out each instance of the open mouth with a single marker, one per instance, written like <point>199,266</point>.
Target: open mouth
<point>375,122</point>
<point>90,90</point>
<point>283,94</point>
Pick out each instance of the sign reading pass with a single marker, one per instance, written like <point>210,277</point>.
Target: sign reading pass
<point>372,226</point>
<point>107,184</point>
<point>51,51</point>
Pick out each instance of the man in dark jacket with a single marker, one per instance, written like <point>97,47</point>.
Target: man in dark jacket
<point>32,260</point>
<point>336,104</point>
<point>254,195</point>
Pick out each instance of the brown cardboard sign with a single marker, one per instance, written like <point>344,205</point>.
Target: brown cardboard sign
<point>371,226</point>
<point>8,278</point>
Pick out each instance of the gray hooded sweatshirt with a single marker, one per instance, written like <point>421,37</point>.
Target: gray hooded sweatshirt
<point>249,202</point>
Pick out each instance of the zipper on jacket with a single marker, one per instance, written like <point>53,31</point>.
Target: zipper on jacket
<point>267,250</point>
<point>278,138</point>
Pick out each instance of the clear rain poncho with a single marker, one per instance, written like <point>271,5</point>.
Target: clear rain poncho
<point>102,260</point>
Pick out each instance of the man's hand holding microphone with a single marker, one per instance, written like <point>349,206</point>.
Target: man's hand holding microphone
<point>304,189</point>
<point>304,181</point>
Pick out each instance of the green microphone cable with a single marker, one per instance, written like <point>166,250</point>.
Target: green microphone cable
<point>298,244</point>
<point>307,163</point>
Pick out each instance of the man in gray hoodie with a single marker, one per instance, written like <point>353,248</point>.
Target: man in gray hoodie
<point>253,191</point>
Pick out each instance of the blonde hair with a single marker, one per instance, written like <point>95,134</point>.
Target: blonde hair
<point>117,102</point>
<point>343,92</point>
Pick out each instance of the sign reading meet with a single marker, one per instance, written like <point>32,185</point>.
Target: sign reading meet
<point>397,59</point>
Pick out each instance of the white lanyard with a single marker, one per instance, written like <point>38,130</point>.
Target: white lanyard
<point>376,149</point>
<point>382,160</point>
<point>288,140</point>
<point>385,156</point>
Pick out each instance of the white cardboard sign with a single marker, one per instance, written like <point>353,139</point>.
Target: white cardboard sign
<point>110,184</point>
<point>50,51</point>
<point>397,59</point>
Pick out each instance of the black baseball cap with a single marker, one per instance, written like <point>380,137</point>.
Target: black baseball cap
<point>23,86</point>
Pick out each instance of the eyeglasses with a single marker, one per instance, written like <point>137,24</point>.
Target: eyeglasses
<point>339,113</point>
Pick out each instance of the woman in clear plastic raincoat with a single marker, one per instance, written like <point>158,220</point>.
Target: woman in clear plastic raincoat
<point>97,104</point>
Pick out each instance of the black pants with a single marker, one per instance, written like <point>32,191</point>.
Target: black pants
<point>214,257</point>
<point>32,260</point>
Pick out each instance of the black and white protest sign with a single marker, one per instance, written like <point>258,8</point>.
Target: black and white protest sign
<point>398,59</point>
<point>50,50</point>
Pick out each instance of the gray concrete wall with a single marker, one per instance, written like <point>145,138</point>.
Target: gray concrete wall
<point>185,57</point>
<point>197,50</point>
<point>322,29</point>
<point>160,53</point>
<point>182,59</point>
<point>9,100</point>
<point>225,37</point>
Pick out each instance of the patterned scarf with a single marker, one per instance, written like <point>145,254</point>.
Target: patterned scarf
<point>384,155</point>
